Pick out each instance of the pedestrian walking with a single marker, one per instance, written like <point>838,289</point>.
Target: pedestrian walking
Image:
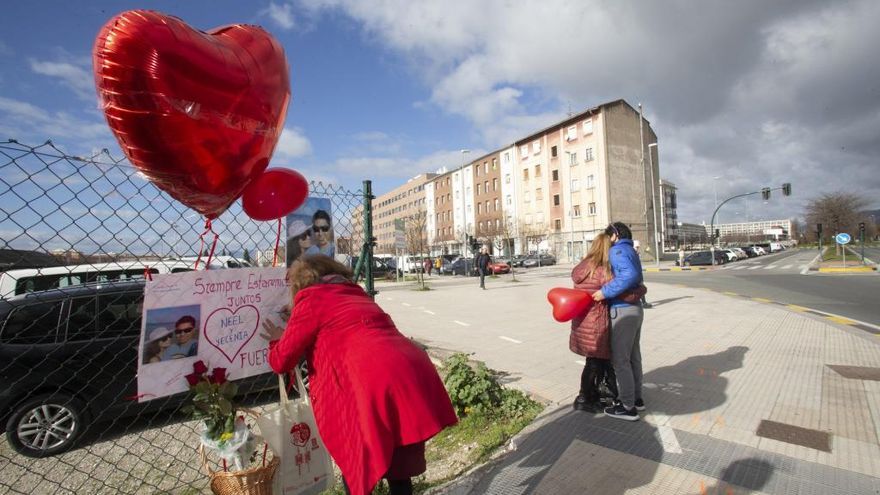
<point>429,266</point>
<point>374,415</point>
<point>626,323</point>
<point>482,262</point>
<point>681,256</point>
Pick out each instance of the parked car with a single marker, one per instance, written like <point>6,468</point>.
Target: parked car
<point>740,254</point>
<point>704,258</point>
<point>730,254</point>
<point>497,267</point>
<point>70,359</point>
<point>517,261</point>
<point>539,260</point>
<point>459,266</point>
<point>760,251</point>
<point>749,251</point>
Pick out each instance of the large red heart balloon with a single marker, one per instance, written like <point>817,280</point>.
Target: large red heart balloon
<point>274,194</point>
<point>197,113</point>
<point>568,303</point>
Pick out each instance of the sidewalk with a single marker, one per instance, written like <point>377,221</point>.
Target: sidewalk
<point>741,396</point>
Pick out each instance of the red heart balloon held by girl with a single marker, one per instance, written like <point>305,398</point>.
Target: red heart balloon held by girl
<point>568,303</point>
<point>274,194</point>
<point>199,114</point>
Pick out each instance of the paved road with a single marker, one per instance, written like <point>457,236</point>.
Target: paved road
<point>778,277</point>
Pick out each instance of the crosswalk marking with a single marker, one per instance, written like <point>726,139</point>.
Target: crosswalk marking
<point>769,267</point>
<point>786,267</point>
<point>741,267</point>
<point>754,267</point>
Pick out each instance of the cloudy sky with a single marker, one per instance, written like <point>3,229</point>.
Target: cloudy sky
<point>742,94</point>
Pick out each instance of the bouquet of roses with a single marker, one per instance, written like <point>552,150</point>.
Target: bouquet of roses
<point>213,401</point>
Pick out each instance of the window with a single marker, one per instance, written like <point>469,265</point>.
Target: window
<point>555,200</point>
<point>588,155</point>
<point>571,135</point>
<point>538,194</point>
<point>487,207</point>
<point>507,178</point>
<point>494,163</point>
<point>485,168</point>
<point>486,187</point>
<point>575,185</point>
<point>494,184</point>
<point>555,175</point>
<point>524,151</point>
<point>496,204</point>
<point>553,152</point>
<point>588,127</point>
<point>509,200</point>
<point>479,208</point>
<point>573,158</point>
<point>82,322</point>
<point>506,157</point>
<point>525,174</point>
<point>457,195</point>
<point>557,224</point>
<point>590,182</point>
<point>119,314</point>
<point>576,211</point>
<point>537,170</point>
<point>591,209</point>
<point>469,191</point>
<point>536,147</point>
<point>32,324</point>
<point>477,171</point>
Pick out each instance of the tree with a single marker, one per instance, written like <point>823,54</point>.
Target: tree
<point>837,212</point>
<point>246,256</point>
<point>415,228</point>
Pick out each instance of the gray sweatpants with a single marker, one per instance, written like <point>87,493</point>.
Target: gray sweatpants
<point>626,353</point>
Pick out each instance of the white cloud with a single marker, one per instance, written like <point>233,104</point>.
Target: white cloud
<point>757,93</point>
<point>292,144</point>
<point>77,78</point>
<point>25,121</point>
<point>282,15</point>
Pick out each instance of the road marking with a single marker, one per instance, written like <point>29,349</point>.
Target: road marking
<point>430,312</point>
<point>730,293</point>
<point>769,267</point>
<point>741,267</point>
<point>407,304</point>
<point>754,267</point>
<point>795,307</point>
<point>786,267</point>
<point>840,319</point>
<point>502,337</point>
<point>761,299</point>
<point>461,323</point>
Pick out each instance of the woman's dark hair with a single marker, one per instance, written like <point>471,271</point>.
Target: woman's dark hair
<point>322,214</point>
<point>620,229</point>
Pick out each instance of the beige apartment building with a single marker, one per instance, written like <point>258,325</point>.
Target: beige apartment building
<point>406,201</point>
<point>577,176</point>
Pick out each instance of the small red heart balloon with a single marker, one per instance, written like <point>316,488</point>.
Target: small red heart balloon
<point>197,113</point>
<point>568,303</point>
<point>274,194</point>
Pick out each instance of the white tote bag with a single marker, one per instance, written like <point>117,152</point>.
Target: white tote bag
<point>291,432</point>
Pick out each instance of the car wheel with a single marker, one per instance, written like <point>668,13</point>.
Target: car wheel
<point>46,425</point>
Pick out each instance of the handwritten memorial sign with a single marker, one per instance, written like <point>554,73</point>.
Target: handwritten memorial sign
<point>214,316</point>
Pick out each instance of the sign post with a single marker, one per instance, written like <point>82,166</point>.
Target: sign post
<point>843,239</point>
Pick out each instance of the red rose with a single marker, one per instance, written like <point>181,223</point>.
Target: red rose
<point>193,379</point>
<point>199,368</point>
<point>218,376</point>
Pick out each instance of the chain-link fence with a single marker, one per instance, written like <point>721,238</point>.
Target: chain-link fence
<point>77,237</point>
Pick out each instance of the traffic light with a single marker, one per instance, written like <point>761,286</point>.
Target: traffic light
<point>861,226</point>
<point>819,229</point>
<point>786,189</point>
<point>765,193</point>
<point>717,233</point>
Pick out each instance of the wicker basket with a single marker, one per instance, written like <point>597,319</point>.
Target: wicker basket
<point>251,481</point>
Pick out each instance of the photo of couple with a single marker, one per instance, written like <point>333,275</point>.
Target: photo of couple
<point>310,230</point>
<point>171,333</point>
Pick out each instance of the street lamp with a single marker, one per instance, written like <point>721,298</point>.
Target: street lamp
<point>654,203</point>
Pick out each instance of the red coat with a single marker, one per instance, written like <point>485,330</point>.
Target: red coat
<point>371,388</point>
<point>590,332</point>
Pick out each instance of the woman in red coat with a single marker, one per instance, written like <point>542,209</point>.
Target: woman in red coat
<point>590,333</point>
<point>377,398</point>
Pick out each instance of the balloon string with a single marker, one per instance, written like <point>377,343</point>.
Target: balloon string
<point>208,229</point>
<point>147,274</point>
<point>277,241</point>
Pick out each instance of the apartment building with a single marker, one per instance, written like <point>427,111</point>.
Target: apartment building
<point>406,201</point>
<point>668,215</point>
<point>582,173</point>
<point>759,230</point>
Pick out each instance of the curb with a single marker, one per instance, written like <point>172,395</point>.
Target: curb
<point>855,269</point>
<point>677,269</point>
<point>828,317</point>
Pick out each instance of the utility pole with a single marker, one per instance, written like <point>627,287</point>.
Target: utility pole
<point>654,203</point>
<point>642,166</point>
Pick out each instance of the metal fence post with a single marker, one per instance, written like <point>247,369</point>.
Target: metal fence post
<point>369,240</point>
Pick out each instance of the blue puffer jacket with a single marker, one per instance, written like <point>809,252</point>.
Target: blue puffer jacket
<point>627,270</point>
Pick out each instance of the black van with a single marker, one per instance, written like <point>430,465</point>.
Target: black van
<point>68,358</point>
